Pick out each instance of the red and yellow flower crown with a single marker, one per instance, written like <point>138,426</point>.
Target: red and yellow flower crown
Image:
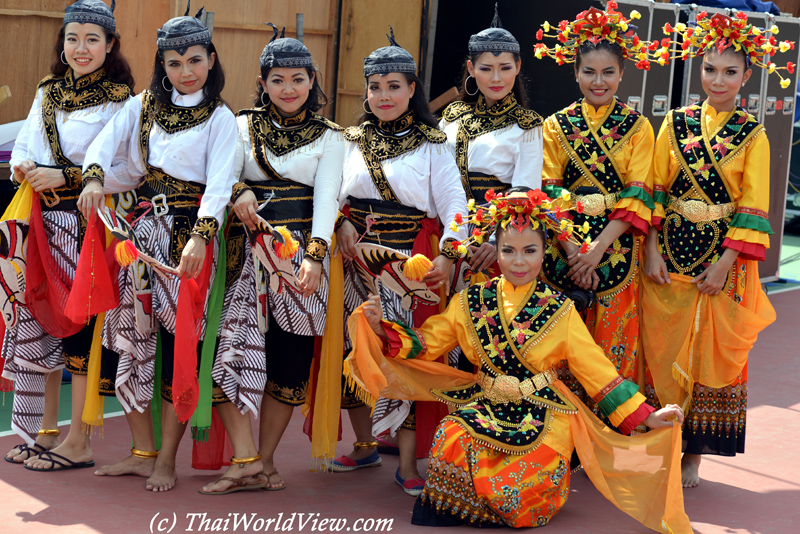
<point>522,210</point>
<point>721,31</point>
<point>594,25</point>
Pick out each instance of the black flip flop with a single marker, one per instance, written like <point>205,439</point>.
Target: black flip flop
<point>62,462</point>
<point>25,448</point>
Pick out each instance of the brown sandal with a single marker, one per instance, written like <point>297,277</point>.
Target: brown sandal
<point>257,481</point>
<point>269,476</point>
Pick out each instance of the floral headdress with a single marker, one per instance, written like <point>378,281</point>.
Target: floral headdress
<point>594,25</point>
<point>721,31</point>
<point>521,210</point>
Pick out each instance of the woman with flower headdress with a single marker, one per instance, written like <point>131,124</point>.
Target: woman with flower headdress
<point>180,139</point>
<point>288,160</point>
<point>496,141</point>
<point>90,80</point>
<point>399,181</point>
<point>601,150</point>
<point>502,456</point>
<point>702,301</point>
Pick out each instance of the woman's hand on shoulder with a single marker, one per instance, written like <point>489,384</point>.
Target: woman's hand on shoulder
<point>482,257</point>
<point>665,416</point>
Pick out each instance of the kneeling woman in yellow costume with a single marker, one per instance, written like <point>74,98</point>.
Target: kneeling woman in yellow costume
<point>502,457</point>
<point>702,302</point>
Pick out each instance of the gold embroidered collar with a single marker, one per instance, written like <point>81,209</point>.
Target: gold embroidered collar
<point>264,134</point>
<point>287,122</point>
<point>68,94</point>
<point>499,109</point>
<point>172,118</point>
<point>400,124</point>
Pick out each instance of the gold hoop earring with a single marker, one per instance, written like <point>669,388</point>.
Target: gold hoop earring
<point>164,86</point>
<point>63,58</point>
<point>364,106</point>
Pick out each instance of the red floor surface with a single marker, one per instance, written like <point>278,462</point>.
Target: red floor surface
<point>758,492</point>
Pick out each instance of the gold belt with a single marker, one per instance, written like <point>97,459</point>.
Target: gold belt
<point>699,211</point>
<point>504,388</point>
<point>597,203</point>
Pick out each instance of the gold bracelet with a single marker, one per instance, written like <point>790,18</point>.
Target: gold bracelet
<point>49,432</point>
<point>365,444</point>
<point>243,461</point>
<point>143,454</point>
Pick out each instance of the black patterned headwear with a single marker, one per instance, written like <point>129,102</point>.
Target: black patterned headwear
<point>493,39</point>
<point>92,12</point>
<point>285,52</point>
<point>392,58</point>
<point>182,33</point>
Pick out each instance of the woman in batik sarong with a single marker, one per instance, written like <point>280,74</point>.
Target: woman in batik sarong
<point>702,302</point>
<point>496,140</point>
<point>399,181</point>
<point>502,456</point>
<point>601,150</point>
<point>90,81</point>
<point>288,160</point>
<point>180,138</point>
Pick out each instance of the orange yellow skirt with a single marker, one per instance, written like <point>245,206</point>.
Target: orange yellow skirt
<point>614,324</point>
<point>480,485</point>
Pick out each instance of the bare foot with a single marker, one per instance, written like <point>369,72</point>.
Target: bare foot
<point>75,452</point>
<point>132,465</point>
<point>690,466</point>
<point>163,478</point>
<point>234,471</point>
<point>19,456</point>
<point>275,480</point>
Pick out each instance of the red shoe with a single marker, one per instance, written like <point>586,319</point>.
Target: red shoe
<point>412,486</point>
<point>343,464</point>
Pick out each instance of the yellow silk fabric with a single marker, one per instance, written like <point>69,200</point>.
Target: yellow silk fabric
<point>327,385</point>
<point>640,475</point>
<point>689,337</point>
<point>634,160</point>
<point>20,206</point>
<point>744,174</point>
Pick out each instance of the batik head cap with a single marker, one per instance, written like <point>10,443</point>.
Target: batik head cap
<point>594,26</point>
<point>182,33</point>
<point>285,52</point>
<point>392,58</point>
<point>721,32</point>
<point>521,210</point>
<point>493,39</point>
<point>92,12</point>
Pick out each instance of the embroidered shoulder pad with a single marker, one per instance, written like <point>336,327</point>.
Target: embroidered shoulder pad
<point>116,92</point>
<point>50,78</point>
<point>353,133</point>
<point>456,109</point>
<point>434,135</point>
<point>526,118</point>
<point>329,123</point>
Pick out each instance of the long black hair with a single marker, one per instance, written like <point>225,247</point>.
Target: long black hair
<point>215,82</point>
<point>316,96</point>
<point>418,104</point>
<point>464,96</point>
<point>117,67</point>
